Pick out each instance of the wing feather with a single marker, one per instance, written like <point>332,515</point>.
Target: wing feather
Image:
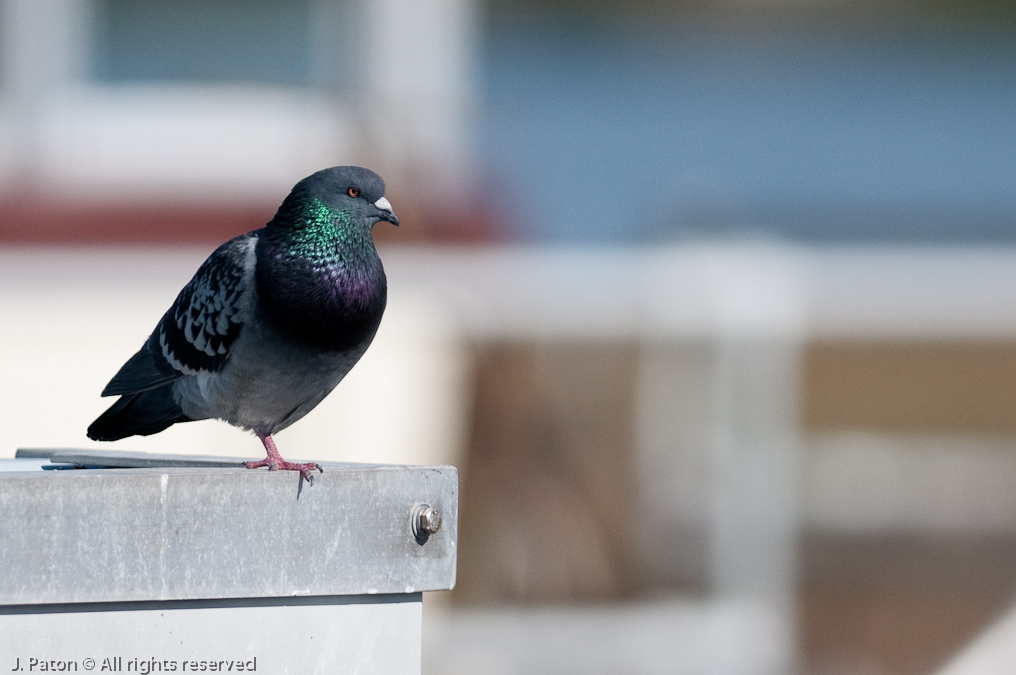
<point>195,334</point>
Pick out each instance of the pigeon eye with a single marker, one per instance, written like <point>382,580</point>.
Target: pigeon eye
<point>353,192</point>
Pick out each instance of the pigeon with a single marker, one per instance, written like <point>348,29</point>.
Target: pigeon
<point>270,323</point>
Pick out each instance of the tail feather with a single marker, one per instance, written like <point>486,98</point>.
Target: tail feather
<point>141,414</point>
<point>142,372</point>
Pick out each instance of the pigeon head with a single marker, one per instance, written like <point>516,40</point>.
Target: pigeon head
<point>350,195</point>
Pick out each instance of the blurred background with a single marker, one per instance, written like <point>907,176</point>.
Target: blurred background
<point>712,302</point>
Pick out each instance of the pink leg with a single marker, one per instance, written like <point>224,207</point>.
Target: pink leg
<point>274,461</point>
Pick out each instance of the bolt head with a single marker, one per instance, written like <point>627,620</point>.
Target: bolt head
<point>430,520</point>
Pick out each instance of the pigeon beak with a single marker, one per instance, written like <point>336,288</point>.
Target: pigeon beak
<point>385,207</point>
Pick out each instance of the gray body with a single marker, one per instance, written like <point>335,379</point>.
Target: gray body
<point>300,376</point>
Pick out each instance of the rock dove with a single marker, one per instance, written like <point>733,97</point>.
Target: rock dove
<point>269,324</point>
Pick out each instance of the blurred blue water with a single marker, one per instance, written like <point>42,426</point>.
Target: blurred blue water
<point>603,137</point>
<point>250,41</point>
<point>611,135</point>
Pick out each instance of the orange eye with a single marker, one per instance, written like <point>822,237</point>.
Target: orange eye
<point>353,192</point>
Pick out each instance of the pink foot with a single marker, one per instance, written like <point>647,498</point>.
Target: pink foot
<point>274,461</point>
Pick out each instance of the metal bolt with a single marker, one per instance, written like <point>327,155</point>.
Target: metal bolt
<point>430,520</point>
<point>426,521</point>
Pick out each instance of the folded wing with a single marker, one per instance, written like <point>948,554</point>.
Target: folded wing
<point>196,334</point>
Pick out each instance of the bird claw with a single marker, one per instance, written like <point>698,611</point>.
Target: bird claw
<point>306,469</point>
<point>274,461</point>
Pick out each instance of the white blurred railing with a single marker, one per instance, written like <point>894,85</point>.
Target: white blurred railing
<point>391,84</point>
<point>991,653</point>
